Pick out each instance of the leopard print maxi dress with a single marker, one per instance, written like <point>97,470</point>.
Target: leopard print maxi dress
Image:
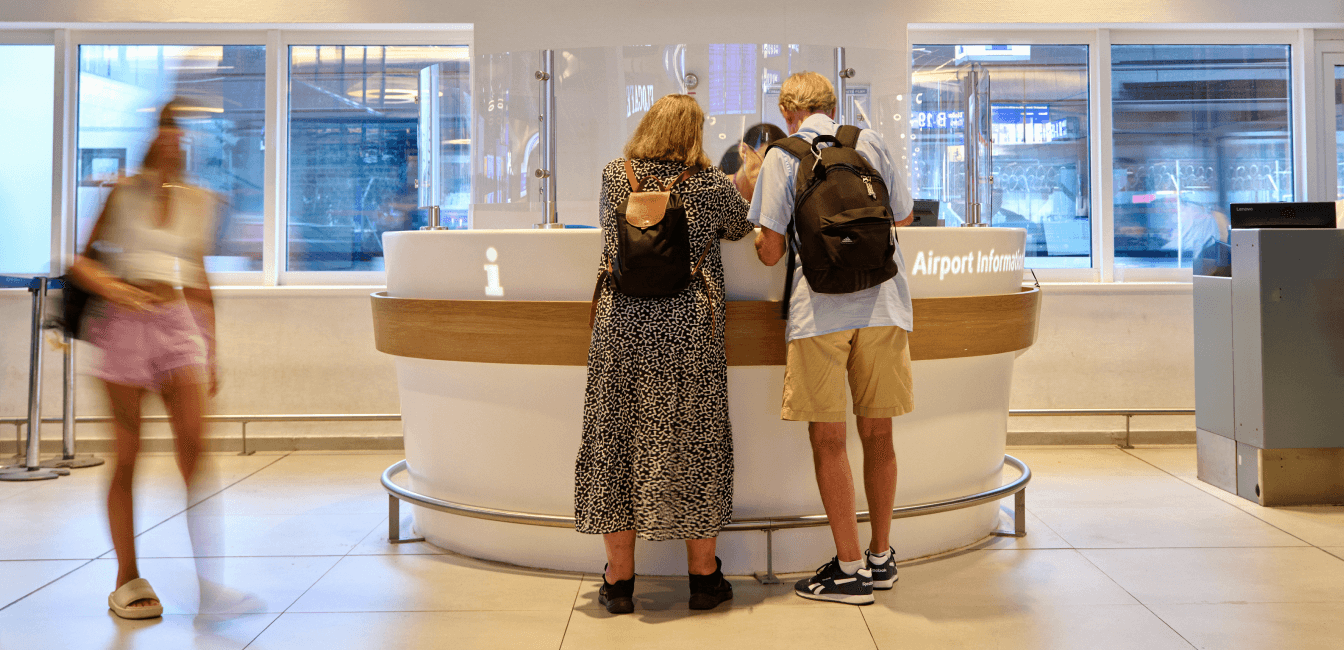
<point>657,454</point>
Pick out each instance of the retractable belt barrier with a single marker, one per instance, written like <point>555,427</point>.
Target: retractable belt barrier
<point>28,465</point>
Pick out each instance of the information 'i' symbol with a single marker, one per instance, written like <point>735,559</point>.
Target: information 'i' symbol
<point>492,287</point>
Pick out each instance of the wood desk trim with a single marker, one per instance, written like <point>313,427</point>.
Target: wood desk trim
<point>555,333</point>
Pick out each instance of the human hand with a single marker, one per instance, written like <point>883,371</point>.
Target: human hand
<point>127,295</point>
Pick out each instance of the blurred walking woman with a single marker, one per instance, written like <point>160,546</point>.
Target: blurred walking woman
<point>155,327</point>
<point>657,454</point>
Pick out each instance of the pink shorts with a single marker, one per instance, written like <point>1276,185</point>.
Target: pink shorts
<point>143,348</point>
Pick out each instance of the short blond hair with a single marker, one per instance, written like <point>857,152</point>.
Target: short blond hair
<point>807,91</point>
<point>673,129</point>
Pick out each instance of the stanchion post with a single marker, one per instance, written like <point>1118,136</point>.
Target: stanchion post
<point>32,466</point>
<point>68,457</point>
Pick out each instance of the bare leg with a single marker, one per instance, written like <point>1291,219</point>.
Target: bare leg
<point>620,555</point>
<point>184,396</point>
<point>836,484</point>
<point>125,402</point>
<point>700,556</point>
<point>185,400</point>
<point>879,478</point>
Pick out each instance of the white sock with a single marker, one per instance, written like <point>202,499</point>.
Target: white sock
<point>879,558</point>
<point>850,568</point>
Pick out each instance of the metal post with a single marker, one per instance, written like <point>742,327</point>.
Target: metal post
<point>394,523</point>
<point>32,465</point>
<point>245,451</point>
<point>68,457</point>
<point>970,139</point>
<point>769,577</point>
<point>550,216</point>
<point>842,73</point>
<point>1019,516</point>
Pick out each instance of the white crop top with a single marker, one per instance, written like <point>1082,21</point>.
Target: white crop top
<point>135,250</point>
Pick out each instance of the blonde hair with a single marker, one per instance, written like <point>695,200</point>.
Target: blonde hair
<point>807,91</point>
<point>673,129</point>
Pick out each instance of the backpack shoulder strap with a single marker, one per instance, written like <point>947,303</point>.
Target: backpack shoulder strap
<point>794,146</point>
<point>690,171</point>
<point>630,174</point>
<point>848,135</point>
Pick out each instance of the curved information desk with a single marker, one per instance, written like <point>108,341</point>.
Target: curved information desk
<point>490,331</point>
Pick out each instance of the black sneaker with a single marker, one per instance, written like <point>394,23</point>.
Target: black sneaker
<point>884,575</point>
<point>708,591</point>
<point>618,598</point>
<point>833,584</point>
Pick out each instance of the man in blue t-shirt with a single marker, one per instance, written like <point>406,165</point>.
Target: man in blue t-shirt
<point>860,335</point>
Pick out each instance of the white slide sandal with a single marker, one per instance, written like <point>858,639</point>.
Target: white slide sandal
<point>120,600</point>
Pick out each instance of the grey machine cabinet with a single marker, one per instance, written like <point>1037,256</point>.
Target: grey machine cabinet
<point>1269,368</point>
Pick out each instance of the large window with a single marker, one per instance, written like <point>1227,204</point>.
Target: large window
<point>355,149</point>
<point>1038,107</point>
<point>1196,128</point>
<point>223,89</point>
<point>25,171</point>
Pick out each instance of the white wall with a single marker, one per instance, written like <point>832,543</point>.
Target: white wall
<point>311,350</point>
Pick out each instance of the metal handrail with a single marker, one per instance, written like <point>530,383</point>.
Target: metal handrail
<point>1016,488</point>
<point>244,419</point>
<point>753,523</point>
<point>301,417</point>
<point>1128,414</point>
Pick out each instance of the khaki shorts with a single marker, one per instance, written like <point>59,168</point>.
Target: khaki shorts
<point>876,361</point>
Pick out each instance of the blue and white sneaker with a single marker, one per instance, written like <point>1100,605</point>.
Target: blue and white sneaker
<point>884,575</point>
<point>833,584</point>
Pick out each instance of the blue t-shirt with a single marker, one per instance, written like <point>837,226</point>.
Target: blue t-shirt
<point>815,314</point>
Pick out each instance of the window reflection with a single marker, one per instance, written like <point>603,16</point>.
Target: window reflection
<point>121,88</point>
<point>353,149</point>
<point>1196,127</point>
<point>1039,121</point>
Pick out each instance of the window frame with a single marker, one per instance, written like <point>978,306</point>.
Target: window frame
<point>1307,48</point>
<point>286,40</point>
<point>277,40</point>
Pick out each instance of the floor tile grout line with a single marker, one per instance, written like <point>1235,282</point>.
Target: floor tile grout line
<point>1234,506</point>
<point>869,626</point>
<point>310,587</point>
<point>104,554</point>
<point>191,505</point>
<point>1137,600</point>
<point>1041,522</point>
<point>49,582</point>
<point>573,607</point>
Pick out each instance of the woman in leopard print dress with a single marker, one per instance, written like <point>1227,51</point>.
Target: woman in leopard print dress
<point>657,454</point>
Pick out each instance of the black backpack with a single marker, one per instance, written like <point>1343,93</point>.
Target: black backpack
<point>653,241</point>
<point>841,215</point>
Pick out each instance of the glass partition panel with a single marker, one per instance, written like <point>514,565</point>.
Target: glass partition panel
<point>602,93</point>
<point>353,136</point>
<point>29,72</point>
<point>223,87</point>
<point>1038,117</point>
<point>507,135</point>
<point>1196,128</point>
<point>1339,132</point>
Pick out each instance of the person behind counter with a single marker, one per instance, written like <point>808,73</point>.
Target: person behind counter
<point>151,239</point>
<point>862,334</point>
<point>743,162</point>
<point>657,454</point>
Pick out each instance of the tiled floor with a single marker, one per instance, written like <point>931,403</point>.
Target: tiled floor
<point>1126,549</point>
